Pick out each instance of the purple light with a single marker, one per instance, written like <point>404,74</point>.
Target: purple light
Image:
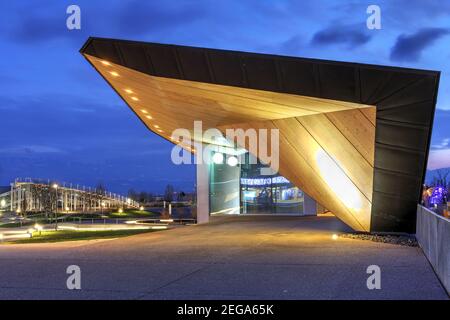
<point>437,196</point>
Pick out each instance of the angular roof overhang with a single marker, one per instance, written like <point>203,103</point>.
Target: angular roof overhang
<point>379,117</point>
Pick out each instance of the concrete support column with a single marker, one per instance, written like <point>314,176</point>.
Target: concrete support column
<point>12,197</point>
<point>202,193</point>
<point>19,199</point>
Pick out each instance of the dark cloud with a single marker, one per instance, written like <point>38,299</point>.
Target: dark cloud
<point>81,140</point>
<point>351,36</point>
<point>140,17</point>
<point>65,114</point>
<point>118,19</point>
<point>37,28</point>
<point>410,47</point>
<point>292,46</point>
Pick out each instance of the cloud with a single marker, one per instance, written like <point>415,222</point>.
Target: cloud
<point>439,159</point>
<point>139,17</point>
<point>41,27</point>
<point>292,45</point>
<point>410,47</point>
<point>444,144</point>
<point>349,35</point>
<point>38,28</point>
<point>31,149</point>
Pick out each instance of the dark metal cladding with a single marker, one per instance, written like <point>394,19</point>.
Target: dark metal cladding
<point>405,101</point>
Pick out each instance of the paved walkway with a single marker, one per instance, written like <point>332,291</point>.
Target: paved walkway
<point>231,258</point>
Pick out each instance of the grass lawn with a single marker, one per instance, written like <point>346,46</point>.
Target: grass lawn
<point>73,235</point>
<point>23,224</point>
<point>132,214</point>
<point>16,224</point>
<point>30,220</point>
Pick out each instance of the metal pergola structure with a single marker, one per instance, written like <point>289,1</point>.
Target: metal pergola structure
<point>32,195</point>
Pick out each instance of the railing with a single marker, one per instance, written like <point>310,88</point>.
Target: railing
<point>79,220</point>
<point>433,234</point>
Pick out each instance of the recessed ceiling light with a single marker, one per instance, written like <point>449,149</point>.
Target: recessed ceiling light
<point>149,117</point>
<point>160,130</point>
<point>113,73</point>
<point>134,98</point>
<point>217,158</point>
<point>105,63</point>
<point>232,161</point>
<point>144,111</point>
<point>156,126</point>
<point>128,91</point>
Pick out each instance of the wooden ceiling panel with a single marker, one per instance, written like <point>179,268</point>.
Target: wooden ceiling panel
<point>358,129</point>
<point>313,168</point>
<point>325,146</point>
<point>339,147</point>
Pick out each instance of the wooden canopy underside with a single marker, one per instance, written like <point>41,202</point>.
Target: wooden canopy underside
<point>326,147</point>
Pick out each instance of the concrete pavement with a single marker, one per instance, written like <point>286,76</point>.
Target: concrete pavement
<point>230,258</point>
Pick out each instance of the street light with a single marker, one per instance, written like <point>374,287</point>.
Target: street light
<point>55,186</point>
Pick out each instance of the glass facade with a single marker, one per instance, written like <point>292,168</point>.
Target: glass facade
<point>267,194</point>
<point>243,189</point>
<point>224,188</point>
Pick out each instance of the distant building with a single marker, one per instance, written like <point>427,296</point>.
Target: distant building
<point>5,198</point>
<point>30,195</point>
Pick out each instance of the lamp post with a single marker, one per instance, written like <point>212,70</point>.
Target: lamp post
<point>55,186</point>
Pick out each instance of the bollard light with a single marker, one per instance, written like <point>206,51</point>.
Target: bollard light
<point>38,227</point>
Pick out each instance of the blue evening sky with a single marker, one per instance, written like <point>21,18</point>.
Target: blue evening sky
<point>60,120</point>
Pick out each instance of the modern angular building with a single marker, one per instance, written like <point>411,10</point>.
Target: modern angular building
<point>353,137</point>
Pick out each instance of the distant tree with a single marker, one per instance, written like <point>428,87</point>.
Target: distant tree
<point>181,196</point>
<point>168,193</point>
<point>132,194</point>
<point>100,189</point>
<point>48,197</point>
<point>142,198</point>
<point>150,197</point>
<point>440,178</point>
<point>99,194</point>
